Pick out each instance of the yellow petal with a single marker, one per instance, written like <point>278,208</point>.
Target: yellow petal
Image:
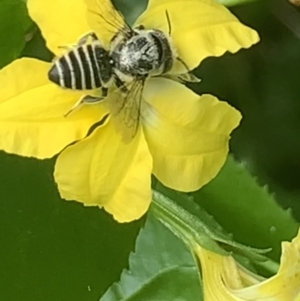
<point>212,265</point>
<point>199,28</point>
<point>187,134</point>
<point>224,279</point>
<point>62,22</point>
<point>285,285</point>
<point>221,277</point>
<point>104,19</point>
<point>32,109</point>
<point>102,171</point>
<point>248,277</point>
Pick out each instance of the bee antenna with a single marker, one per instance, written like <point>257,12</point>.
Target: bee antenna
<point>169,22</point>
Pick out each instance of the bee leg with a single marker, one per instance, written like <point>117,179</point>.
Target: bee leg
<point>183,64</point>
<point>85,99</point>
<point>183,78</point>
<point>83,40</point>
<point>187,76</point>
<point>121,85</point>
<point>66,47</point>
<point>104,92</point>
<point>88,99</point>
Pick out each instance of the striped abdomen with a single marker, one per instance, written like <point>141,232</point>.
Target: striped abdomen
<point>82,68</point>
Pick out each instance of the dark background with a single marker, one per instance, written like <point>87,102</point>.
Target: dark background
<point>263,83</point>
<point>56,250</point>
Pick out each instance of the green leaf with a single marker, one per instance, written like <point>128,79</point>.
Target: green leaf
<point>52,249</point>
<point>131,9</point>
<point>186,224</point>
<point>193,225</point>
<point>161,268</point>
<point>36,47</point>
<point>15,26</point>
<point>247,210</point>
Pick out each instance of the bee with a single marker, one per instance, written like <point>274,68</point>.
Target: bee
<point>133,56</point>
<point>85,66</point>
<point>146,53</point>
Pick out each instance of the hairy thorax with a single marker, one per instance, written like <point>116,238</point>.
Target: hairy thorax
<point>138,56</point>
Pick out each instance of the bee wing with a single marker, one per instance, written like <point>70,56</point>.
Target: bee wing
<point>105,20</point>
<point>125,110</point>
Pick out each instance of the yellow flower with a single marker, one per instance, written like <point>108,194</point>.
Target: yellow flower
<point>183,139</point>
<point>225,280</point>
